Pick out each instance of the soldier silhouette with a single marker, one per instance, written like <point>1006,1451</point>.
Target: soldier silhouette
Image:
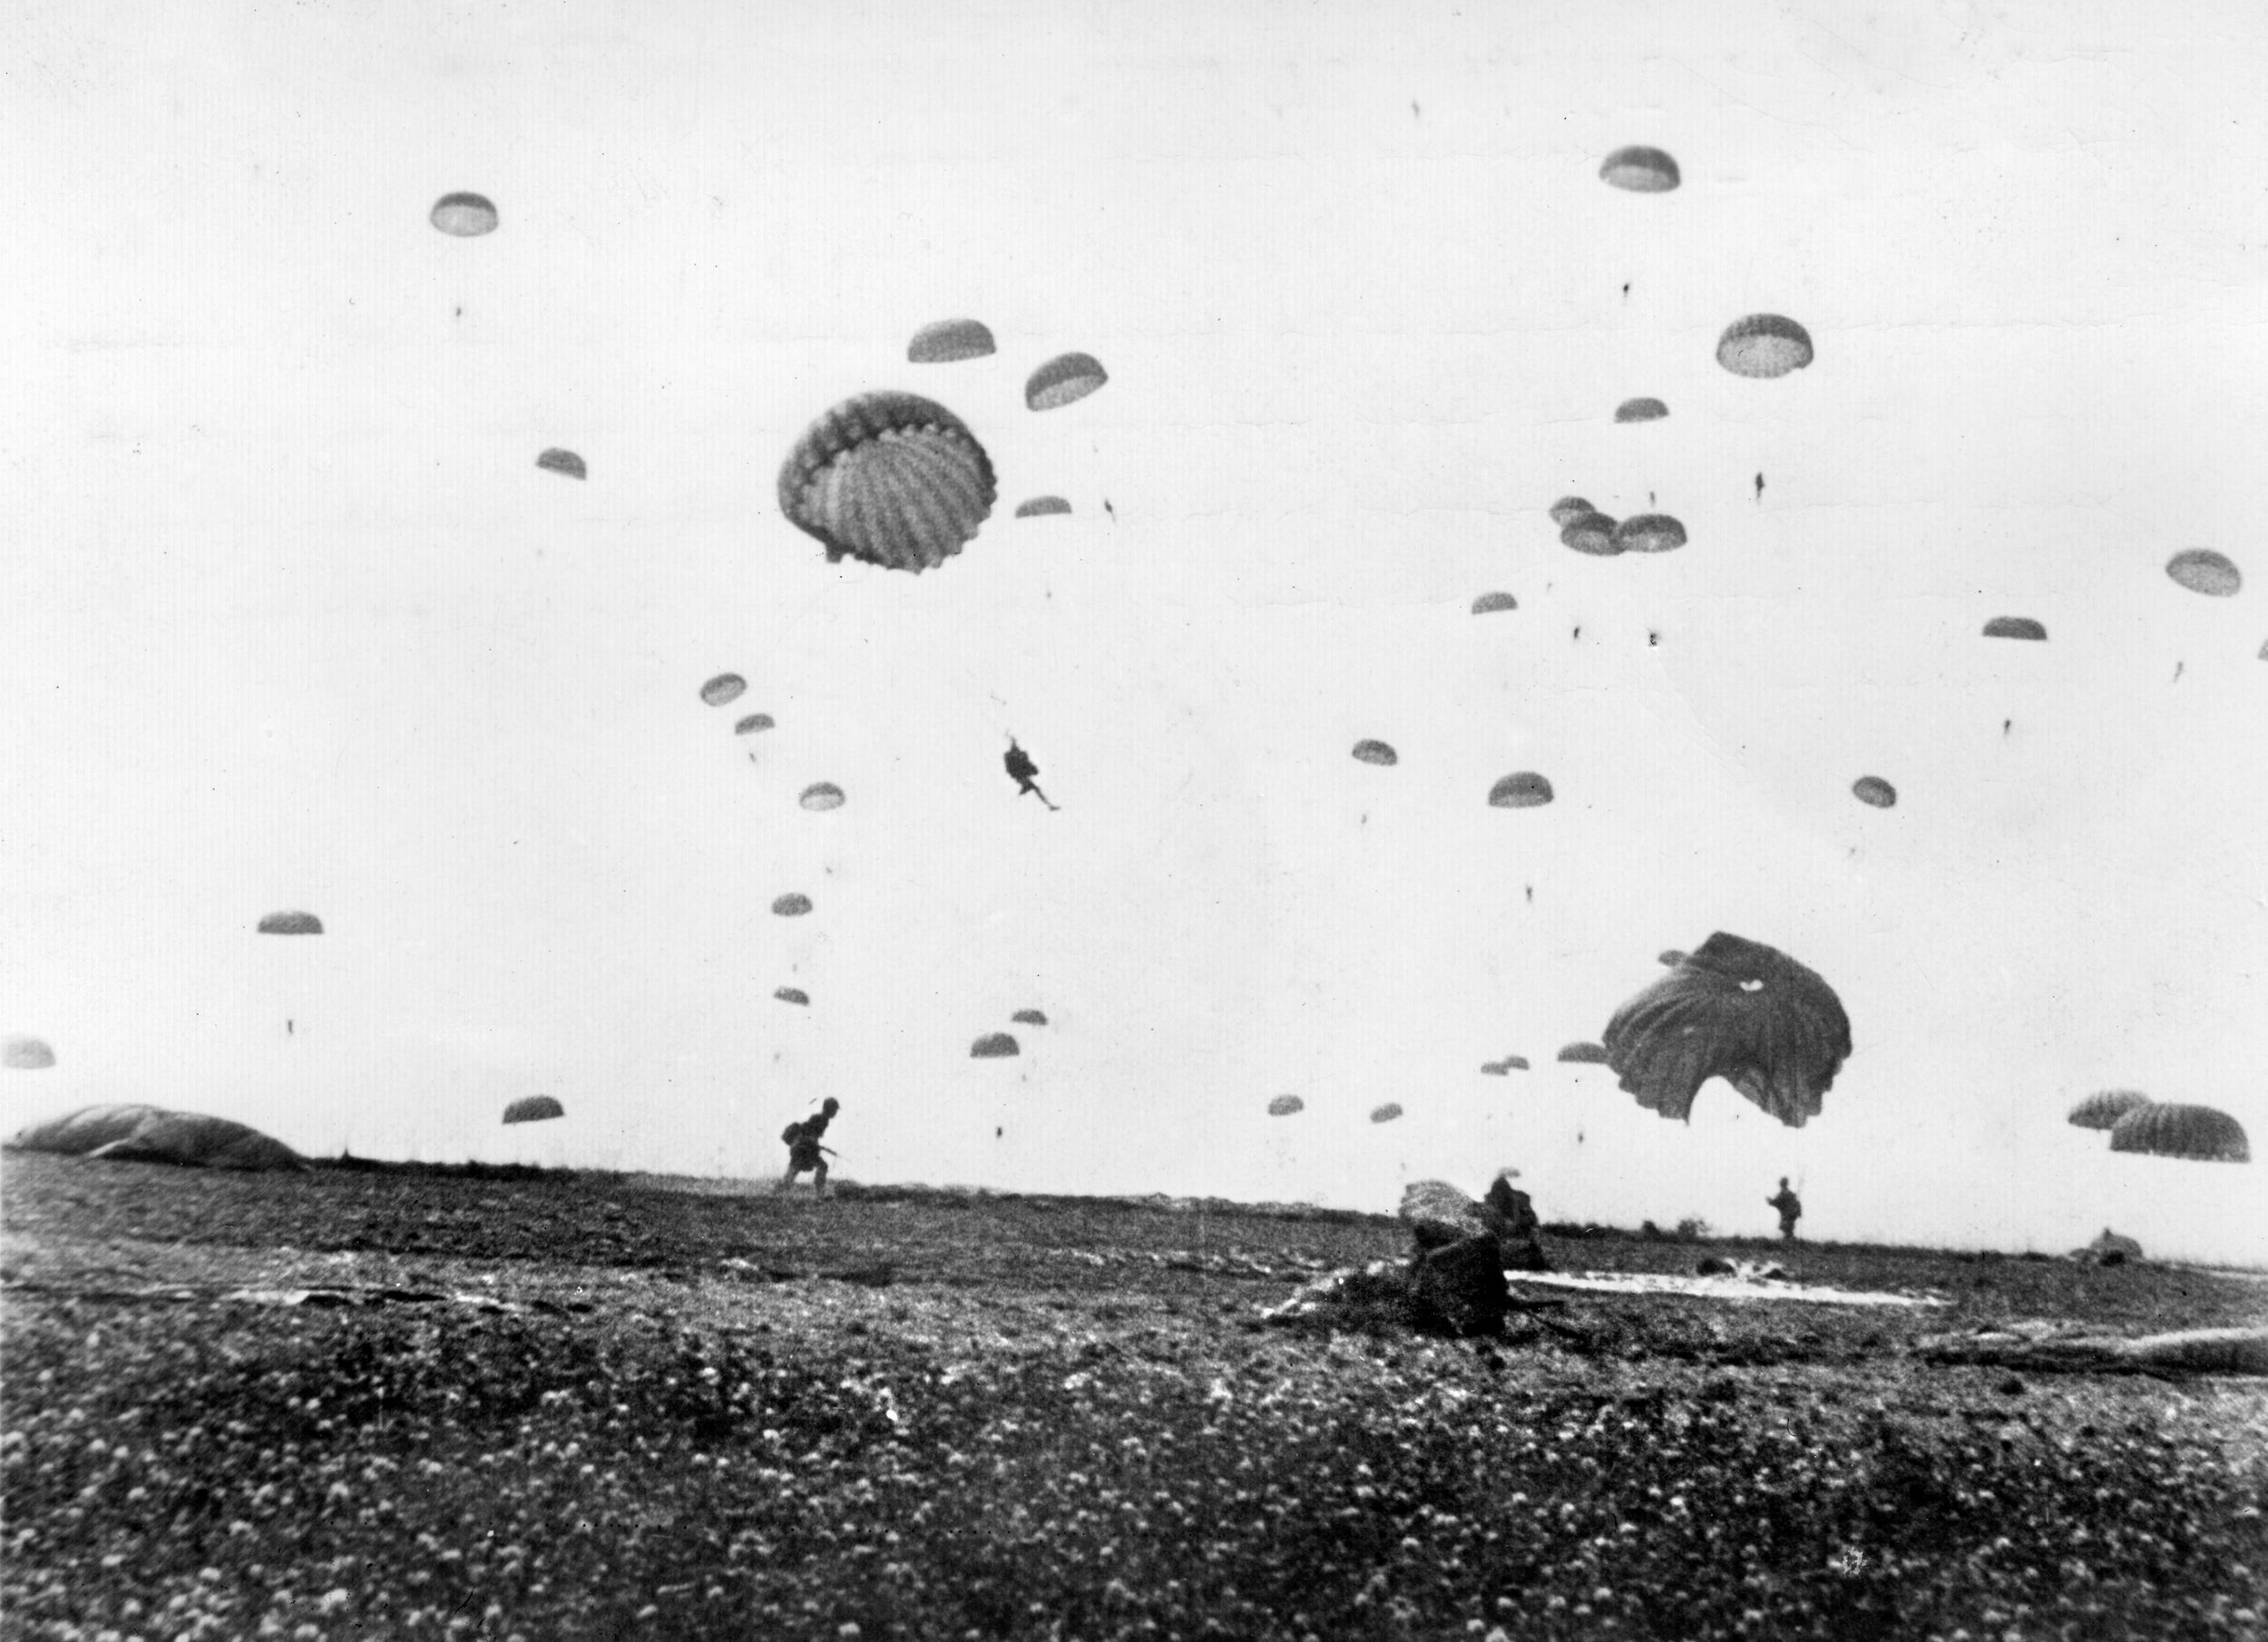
<point>1020,766</point>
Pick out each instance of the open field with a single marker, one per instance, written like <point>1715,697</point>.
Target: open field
<point>377,1404</point>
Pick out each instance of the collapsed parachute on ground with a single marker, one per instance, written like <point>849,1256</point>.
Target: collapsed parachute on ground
<point>1763,346</point>
<point>1566,510</point>
<point>754,722</point>
<point>534,1109</point>
<point>26,1055</point>
<point>890,479</point>
<point>1063,380</point>
<point>821,796</point>
<point>2198,1133</point>
<point>1640,410</point>
<point>791,994</point>
<point>1030,1017</point>
<point>1649,533</point>
<point>2202,570</point>
<point>724,690</point>
<point>1489,604</point>
<point>1584,1054</point>
<point>1874,790</point>
<point>1284,1106</point>
<point>2014,626</point>
<point>465,216</point>
<point>152,1134</point>
<point>1737,1010</point>
<point>563,461</point>
<point>2103,1109</point>
<point>1375,752</point>
<point>1593,534</point>
<point>946,341</point>
<point>995,1046</point>
<point>291,923</point>
<point>1640,170</point>
<point>1042,507</point>
<point>1522,789</point>
<point>791,907</point>
<point>1386,1113</point>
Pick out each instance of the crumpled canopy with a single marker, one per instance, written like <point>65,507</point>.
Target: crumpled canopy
<point>151,1134</point>
<point>1737,1010</point>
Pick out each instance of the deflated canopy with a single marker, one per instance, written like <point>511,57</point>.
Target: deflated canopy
<point>2103,1109</point>
<point>945,341</point>
<point>291,923</point>
<point>890,479</point>
<point>2199,1133</point>
<point>1737,1010</point>
<point>1763,346</point>
<point>152,1134</point>
<point>534,1109</point>
<point>75,1134</point>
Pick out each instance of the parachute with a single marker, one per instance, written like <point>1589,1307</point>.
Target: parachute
<point>1874,790</point>
<point>791,907</point>
<point>2202,570</point>
<point>26,1055</point>
<point>1514,1064</point>
<point>993,1046</point>
<point>1375,752</point>
<point>890,479</point>
<point>291,923</point>
<point>563,461</point>
<point>821,796</point>
<point>1584,1054</point>
<point>1522,789</point>
<point>465,216</point>
<point>1386,1113</point>
<point>1763,346</point>
<point>1488,604</point>
<point>2103,1109</point>
<point>1063,380</point>
<point>1566,510</point>
<point>1030,1017</point>
<point>1737,1010</point>
<point>534,1109</point>
<point>152,1134</point>
<point>1041,507</point>
<point>1640,170</point>
<point>1640,410</point>
<point>1284,1106</point>
<point>753,723</point>
<point>75,1134</point>
<point>1593,534</point>
<point>791,994</point>
<point>1492,1068</point>
<point>1649,533</point>
<point>2014,626</point>
<point>724,690</point>
<point>946,341</point>
<point>2199,1133</point>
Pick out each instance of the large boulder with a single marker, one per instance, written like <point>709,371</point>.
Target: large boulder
<point>150,1134</point>
<point>1459,1289</point>
<point>1439,1215</point>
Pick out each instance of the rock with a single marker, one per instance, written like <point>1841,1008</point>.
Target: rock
<point>1712,1265</point>
<point>1459,1289</point>
<point>1439,1215</point>
<point>1513,1205</point>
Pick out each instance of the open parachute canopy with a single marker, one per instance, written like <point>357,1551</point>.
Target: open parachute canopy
<point>1042,507</point>
<point>1649,533</point>
<point>1584,1054</point>
<point>754,722</point>
<point>1522,789</point>
<point>1375,752</point>
<point>1489,604</point>
<point>890,479</point>
<point>1030,1017</point>
<point>152,1134</point>
<point>2015,627</point>
<point>291,923</point>
<point>724,690</point>
<point>26,1055</point>
<point>2202,570</point>
<point>946,341</point>
<point>791,994</point>
<point>1874,790</point>
<point>1737,1010</point>
<point>565,461</point>
<point>1640,410</point>
<point>2199,1133</point>
<point>1593,534</point>
<point>1640,170</point>
<point>2103,1109</point>
<point>1386,1113</point>
<point>791,905</point>
<point>534,1109</point>
<point>821,796</point>
<point>1763,346</point>
<point>995,1046</point>
<point>1284,1106</point>
<point>1514,1064</point>
<point>465,216</point>
<point>1063,380</point>
<point>1566,510</point>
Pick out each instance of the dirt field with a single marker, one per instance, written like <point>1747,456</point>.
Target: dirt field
<point>380,1404</point>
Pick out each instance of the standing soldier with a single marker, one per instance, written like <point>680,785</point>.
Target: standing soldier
<point>804,1150</point>
<point>1791,1207</point>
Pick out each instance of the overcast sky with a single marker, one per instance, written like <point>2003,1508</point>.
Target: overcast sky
<point>296,621</point>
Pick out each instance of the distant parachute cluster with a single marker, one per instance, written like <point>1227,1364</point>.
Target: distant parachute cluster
<point>2139,1125</point>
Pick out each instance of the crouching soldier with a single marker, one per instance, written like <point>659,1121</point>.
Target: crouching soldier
<point>804,1150</point>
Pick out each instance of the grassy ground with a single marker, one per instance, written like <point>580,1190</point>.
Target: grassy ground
<point>599,1407</point>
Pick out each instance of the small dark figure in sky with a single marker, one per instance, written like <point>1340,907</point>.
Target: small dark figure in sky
<point>1109,509</point>
<point>1760,488</point>
<point>804,1150</point>
<point>1021,767</point>
<point>1790,1207</point>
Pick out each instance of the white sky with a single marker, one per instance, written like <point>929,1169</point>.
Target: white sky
<point>295,620</point>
